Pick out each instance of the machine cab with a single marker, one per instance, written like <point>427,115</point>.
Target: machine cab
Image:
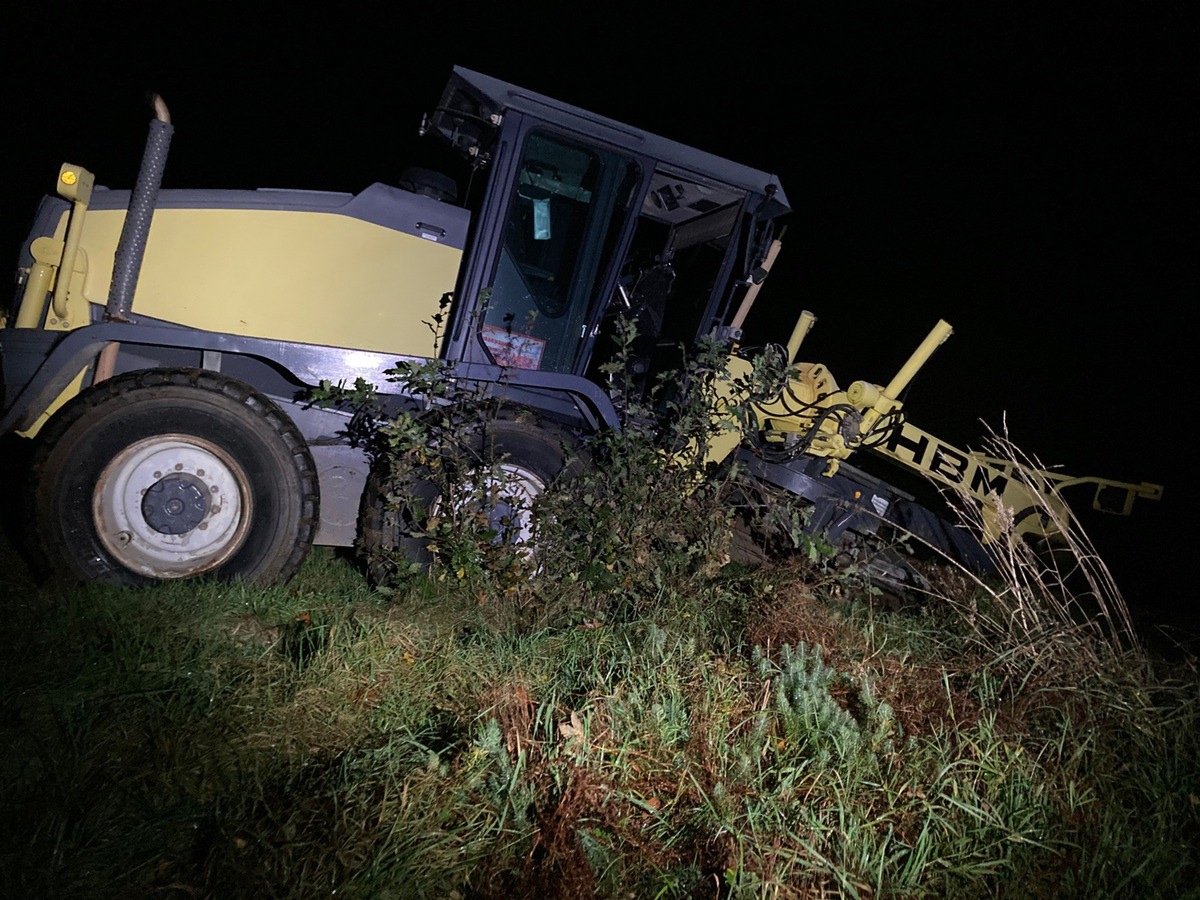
<point>583,219</point>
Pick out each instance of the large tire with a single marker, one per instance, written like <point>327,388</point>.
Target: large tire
<point>528,458</point>
<point>388,530</point>
<point>173,473</point>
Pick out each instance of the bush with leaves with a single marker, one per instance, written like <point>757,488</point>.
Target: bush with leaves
<point>651,514</point>
<point>639,511</point>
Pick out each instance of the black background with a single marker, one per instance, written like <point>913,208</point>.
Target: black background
<point>1029,176</point>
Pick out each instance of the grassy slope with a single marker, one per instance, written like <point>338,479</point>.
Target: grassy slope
<point>217,741</point>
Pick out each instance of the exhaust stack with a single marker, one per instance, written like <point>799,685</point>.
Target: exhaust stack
<point>142,199</point>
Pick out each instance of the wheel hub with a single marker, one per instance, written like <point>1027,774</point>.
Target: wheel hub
<point>176,504</point>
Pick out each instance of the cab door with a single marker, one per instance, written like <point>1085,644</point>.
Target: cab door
<point>567,209</point>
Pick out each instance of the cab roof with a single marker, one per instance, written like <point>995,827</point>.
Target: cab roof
<point>490,99</point>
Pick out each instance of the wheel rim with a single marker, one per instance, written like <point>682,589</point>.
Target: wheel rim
<point>507,492</point>
<point>172,506</point>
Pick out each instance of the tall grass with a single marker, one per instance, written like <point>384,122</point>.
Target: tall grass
<point>1048,602</point>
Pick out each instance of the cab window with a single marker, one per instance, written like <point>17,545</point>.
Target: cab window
<point>568,203</point>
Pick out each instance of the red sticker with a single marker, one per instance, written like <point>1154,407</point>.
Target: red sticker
<point>513,349</point>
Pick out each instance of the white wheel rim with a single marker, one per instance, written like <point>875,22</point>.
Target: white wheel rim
<point>211,530</point>
<point>513,487</point>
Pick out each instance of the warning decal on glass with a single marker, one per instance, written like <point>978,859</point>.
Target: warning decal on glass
<point>513,349</point>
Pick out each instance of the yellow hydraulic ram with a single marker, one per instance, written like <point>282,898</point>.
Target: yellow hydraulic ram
<point>54,259</point>
<point>812,416</point>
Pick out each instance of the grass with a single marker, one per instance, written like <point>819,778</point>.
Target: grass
<point>755,734</point>
<point>628,715</point>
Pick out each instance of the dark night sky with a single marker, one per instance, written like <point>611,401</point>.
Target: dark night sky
<point>1029,177</point>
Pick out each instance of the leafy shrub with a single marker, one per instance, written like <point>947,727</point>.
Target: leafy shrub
<point>639,512</point>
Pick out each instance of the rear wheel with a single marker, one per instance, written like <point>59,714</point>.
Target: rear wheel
<point>500,472</point>
<point>169,474</point>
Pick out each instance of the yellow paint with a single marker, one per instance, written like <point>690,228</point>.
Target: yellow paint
<point>309,277</point>
<point>47,253</point>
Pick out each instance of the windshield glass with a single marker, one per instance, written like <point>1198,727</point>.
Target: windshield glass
<point>568,203</point>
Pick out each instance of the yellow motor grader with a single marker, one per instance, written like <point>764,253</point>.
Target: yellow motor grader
<point>162,344</point>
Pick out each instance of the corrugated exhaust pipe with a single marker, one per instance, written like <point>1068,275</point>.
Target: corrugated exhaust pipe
<point>131,248</point>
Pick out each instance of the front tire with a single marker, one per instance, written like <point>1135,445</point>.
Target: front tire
<point>168,474</point>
